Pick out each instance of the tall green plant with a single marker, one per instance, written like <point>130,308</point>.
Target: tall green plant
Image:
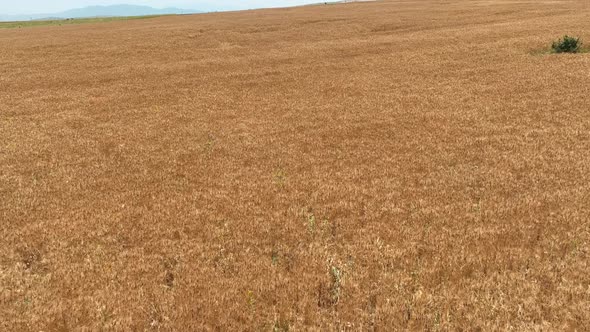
<point>567,45</point>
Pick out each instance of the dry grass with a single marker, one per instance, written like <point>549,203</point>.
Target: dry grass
<point>370,166</point>
<point>60,22</point>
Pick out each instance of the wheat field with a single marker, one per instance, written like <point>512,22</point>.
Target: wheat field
<point>378,166</point>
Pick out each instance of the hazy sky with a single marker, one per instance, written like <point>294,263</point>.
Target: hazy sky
<point>9,7</point>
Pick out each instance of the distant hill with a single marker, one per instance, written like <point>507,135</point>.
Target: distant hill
<point>101,11</point>
<point>120,10</point>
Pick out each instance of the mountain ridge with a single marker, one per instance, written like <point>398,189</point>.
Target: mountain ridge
<point>102,11</point>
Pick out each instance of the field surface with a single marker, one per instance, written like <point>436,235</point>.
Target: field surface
<point>395,165</point>
<point>60,22</point>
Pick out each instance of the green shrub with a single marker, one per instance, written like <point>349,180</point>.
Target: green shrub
<point>567,45</point>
